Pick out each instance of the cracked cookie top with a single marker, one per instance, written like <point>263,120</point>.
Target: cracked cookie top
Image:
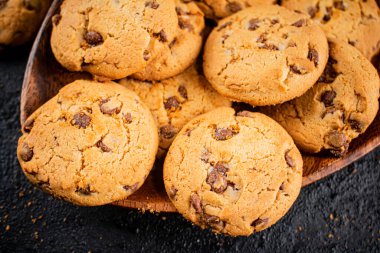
<point>20,20</point>
<point>176,101</point>
<point>217,9</point>
<point>182,50</point>
<point>265,55</point>
<point>217,184</point>
<point>112,39</point>
<point>338,108</point>
<point>356,22</point>
<point>92,144</point>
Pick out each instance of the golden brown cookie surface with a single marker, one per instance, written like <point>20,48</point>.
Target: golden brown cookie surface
<point>265,56</point>
<point>234,174</point>
<point>92,144</point>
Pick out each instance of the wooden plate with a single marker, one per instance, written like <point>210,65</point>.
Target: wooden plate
<point>44,77</point>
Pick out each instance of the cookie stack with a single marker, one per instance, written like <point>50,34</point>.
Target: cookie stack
<point>237,172</point>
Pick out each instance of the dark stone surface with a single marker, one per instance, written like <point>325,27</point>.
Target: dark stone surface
<point>338,214</point>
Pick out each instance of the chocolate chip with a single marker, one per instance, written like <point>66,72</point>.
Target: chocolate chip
<point>185,24</point>
<point>127,118</point>
<point>355,125</point>
<point>269,47</point>
<point>93,38</point>
<point>3,3</point>
<point>26,153</point>
<point>352,43</point>
<point>339,5</point>
<point>172,192</point>
<point>297,70</point>
<point>245,114</point>
<point>182,91</point>
<point>282,187</point>
<point>81,120</point>
<point>261,39</point>
<point>337,139</point>
<point>213,222</point>
<point>259,222</point>
<point>172,104</point>
<point>312,11</point>
<point>205,156</point>
<point>171,44</point>
<point>195,202</point>
<point>274,21</point>
<point>152,4</point>
<point>217,178</point>
<point>313,56</point>
<point>253,24</point>
<point>329,74</point>
<point>131,187</point>
<point>233,7</point>
<point>32,5</point>
<point>328,97</point>
<point>289,159</point>
<point>224,26</point>
<point>84,191</point>
<point>110,106</point>
<point>28,125</point>
<point>100,144</point>
<point>146,55</point>
<point>300,23</point>
<point>168,132</point>
<point>56,19</point>
<point>162,37</point>
<point>223,134</point>
<point>328,14</point>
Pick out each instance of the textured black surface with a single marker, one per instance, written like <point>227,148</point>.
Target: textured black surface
<point>338,214</point>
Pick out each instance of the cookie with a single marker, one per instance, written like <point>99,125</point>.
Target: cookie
<point>92,144</point>
<point>176,101</point>
<point>234,174</point>
<point>112,39</point>
<point>339,107</point>
<point>183,50</point>
<point>20,20</point>
<point>265,55</point>
<point>354,21</point>
<point>216,9</point>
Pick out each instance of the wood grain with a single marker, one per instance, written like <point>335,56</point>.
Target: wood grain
<point>44,77</point>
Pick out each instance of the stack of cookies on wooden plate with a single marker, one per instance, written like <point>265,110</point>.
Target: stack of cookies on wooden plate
<point>303,70</point>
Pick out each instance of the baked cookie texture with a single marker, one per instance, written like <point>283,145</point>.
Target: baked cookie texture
<point>338,108</point>
<point>217,184</point>
<point>20,20</point>
<point>354,21</point>
<point>116,39</point>
<point>183,50</point>
<point>265,55</point>
<point>216,9</point>
<point>176,101</point>
<point>92,144</point>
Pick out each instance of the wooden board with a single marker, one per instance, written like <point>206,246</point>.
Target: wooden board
<point>44,77</point>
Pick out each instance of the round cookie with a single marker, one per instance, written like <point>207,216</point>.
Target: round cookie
<point>354,21</point>
<point>112,39</point>
<point>92,144</point>
<point>265,55</point>
<point>234,174</point>
<point>176,101</point>
<point>217,9</point>
<point>339,107</point>
<point>20,20</point>
<point>183,50</point>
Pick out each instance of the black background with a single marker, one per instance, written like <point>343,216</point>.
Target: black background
<point>338,214</point>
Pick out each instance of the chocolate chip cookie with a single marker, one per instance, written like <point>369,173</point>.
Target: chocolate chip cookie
<point>217,9</point>
<point>112,39</point>
<point>92,144</point>
<point>175,101</point>
<point>236,174</point>
<point>20,20</point>
<point>354,21</point>
<point>182,50</point>
<point>339,107</point>
<point>265,55</point>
